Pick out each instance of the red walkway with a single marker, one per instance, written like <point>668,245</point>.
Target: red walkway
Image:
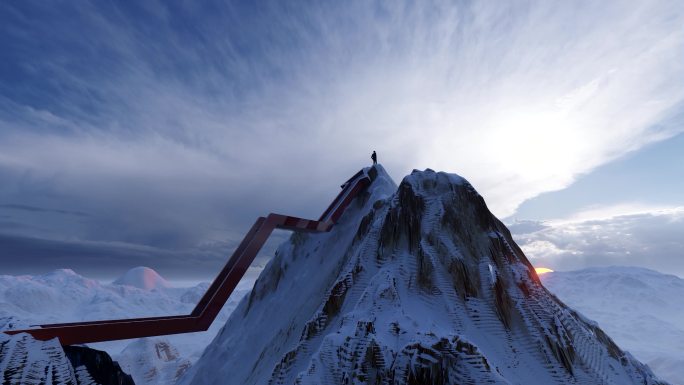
<point>216,296</point>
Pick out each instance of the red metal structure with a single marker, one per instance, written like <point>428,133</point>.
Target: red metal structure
<point>216,296</point>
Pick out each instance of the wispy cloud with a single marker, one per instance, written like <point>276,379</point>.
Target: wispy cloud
<point>41,209</point>
<point>177,124</point>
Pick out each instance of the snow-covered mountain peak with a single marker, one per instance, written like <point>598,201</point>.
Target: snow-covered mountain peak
<point>383,185</point>
<point>436,178</point>
<point>415,284</point>
<point>143,278</point>
<point>55,278</point>
<point>67,277</point>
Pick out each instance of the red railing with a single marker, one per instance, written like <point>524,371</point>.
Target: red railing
<point>216,296</point>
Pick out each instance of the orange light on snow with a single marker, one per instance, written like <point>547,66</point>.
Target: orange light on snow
<point>542,270</point>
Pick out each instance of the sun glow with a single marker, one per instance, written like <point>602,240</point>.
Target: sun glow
<point>542,270</point>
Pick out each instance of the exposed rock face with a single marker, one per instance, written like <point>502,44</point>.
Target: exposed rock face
<point>25,361</point>
<point>415,285</point>
<point>98,365</point>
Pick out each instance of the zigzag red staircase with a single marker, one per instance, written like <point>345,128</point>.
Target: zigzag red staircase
<point>216,296</point>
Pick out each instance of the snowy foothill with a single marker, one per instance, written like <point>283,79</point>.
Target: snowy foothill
<point>640,309</point>
<point>65,296</point>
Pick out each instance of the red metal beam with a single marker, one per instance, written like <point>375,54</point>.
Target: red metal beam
<point>219,291</point>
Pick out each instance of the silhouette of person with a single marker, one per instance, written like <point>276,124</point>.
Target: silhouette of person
<point>374,156</point>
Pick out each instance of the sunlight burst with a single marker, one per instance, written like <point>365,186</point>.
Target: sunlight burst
<point>542,270</point>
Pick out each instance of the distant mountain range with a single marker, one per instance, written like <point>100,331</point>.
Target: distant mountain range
<point>641,309</point>
<point>64,296</point>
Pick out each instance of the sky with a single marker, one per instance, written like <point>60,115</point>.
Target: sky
<point>154,133</point>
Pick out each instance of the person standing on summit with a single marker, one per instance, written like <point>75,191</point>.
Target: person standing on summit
<point>374,157</point>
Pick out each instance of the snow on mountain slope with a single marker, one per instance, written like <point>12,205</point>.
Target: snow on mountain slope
<point>143,278</point>
<point>415,285</point>
<point>640,309</point>
<point>26,361</point>
<point>64,296</point>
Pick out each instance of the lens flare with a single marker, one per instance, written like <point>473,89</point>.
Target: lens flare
<point>542,270</point>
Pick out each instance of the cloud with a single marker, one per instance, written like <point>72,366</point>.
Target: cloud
<point>175,125</point>
<point>643,238</point>
<point>607,212</point>
<point>41,210</point>
<point>526,226</point>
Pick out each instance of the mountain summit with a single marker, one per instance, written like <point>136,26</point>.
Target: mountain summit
<point>416,284</point>
<point>143,278</point>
